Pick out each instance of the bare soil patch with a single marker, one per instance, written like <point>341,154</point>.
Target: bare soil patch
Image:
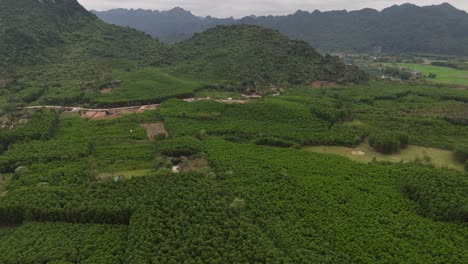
<point>107,90</point>
<point>5,83</point>
<point>323,84</point>
<point>111,112</point>
<point>195,165</point>
<point>358,153</point>
<point>96,115</point>
<point>154,130</point>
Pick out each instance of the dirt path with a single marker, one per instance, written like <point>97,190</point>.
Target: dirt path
<point>78,109</point>
<point>139,108</point>
<point>107,113</point>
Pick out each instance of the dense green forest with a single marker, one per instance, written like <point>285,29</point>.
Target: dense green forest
<point>259,197</point>
<point>438,29</point>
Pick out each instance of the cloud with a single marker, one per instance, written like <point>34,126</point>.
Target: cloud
<point>240,8</point>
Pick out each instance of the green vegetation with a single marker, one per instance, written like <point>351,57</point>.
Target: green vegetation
<point>229,182</point>
<point>178,147</point>
<point>41,125</point>
<point>64,243</point>
<point>104,178</point>
<point>87,62</point>
<point>145,86</point>
<point>440,195</point>
<point>387,142</point>
<point>253,54</point>
<point>439,74</point>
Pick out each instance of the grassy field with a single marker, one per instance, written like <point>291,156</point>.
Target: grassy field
<point>444,74</point>
<point>438,157</point>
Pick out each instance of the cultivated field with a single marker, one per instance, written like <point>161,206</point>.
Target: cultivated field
<point>443,74</point>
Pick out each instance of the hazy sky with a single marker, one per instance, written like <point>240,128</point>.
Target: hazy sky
<point>239,8</point>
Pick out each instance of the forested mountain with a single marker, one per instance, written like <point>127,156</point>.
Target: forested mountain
<point>440,29</point>
<point>50,31</point>
<point>56,52</point>
<point>255,54</point>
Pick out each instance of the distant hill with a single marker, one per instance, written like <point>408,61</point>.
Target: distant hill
<point>438,29</point>
<point>256,54</point>
<point>171,26</point>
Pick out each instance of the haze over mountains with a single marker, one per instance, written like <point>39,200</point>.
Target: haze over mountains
<point>438,29</point>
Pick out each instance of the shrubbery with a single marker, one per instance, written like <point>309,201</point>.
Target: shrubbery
<point>274,142</point>
<point>387,142</point>
<point>177,147</point>
<point>332,114</point>
<point>461,153</point>
<point>41,126</point>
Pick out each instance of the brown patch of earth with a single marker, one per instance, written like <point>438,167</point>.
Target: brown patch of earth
<point>358,153</point>
<point>154,130</point>
<point>106,90</point>
<point>5,83</point>
<point>23,121</point>
<point>94,115</point>
<point>195,165</point>
<point>89,114</point>
<point>323,84</point>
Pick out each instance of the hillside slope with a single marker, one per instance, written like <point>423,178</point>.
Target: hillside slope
<point>255,54</point>
<point>441,29</point>
<point>49,29</point>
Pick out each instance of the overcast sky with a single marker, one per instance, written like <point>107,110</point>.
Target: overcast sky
<point>239,8</point>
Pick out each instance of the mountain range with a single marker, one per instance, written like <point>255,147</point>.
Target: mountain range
<point>407,28</point>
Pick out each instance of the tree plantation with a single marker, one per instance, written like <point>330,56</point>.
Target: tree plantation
<point>118,149</point>
<point>262,200</point>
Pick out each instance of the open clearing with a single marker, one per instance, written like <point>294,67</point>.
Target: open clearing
<point>444,74</point>
<point>154,130</point>
<point>364,153</point>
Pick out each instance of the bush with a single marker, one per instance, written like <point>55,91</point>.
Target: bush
<point>177,147</point>
<point>332,114</point>
<point>461,153</point>
<point>388,143</point>
<point>274,142</point>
